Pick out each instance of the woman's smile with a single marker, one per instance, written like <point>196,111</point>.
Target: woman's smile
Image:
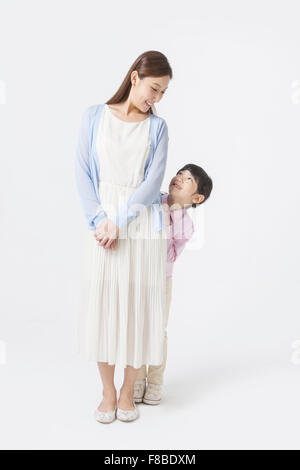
<point>148,104</point>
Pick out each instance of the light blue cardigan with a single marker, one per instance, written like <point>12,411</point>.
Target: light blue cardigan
<point>87,172</point>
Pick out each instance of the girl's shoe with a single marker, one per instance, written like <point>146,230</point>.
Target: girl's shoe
<point>127,415</point>
<point>153,394</point>
<point>105,416</point>
<point>139,390</point>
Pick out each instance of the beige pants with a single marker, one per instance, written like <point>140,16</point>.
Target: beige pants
<point>155,373</point>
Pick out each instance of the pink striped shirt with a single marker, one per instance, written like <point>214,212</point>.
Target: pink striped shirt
<point>179,232</point>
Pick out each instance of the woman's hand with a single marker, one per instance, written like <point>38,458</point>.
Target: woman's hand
<point>106,234</point>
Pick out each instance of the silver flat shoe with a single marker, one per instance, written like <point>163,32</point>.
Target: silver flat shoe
<point>128,415</point>
<point>153,394</point>
<point>105,416</point>
<point>139,390</point>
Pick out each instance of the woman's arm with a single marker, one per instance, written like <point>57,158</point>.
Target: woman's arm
<point>148,190</point>
<point>91,204</point>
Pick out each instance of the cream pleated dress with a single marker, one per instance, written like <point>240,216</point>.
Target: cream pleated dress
<point>123,291</point>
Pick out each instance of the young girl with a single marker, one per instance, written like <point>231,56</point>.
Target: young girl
<point>190,186</point>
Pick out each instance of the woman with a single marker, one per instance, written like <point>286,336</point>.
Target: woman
<point>120,164</point>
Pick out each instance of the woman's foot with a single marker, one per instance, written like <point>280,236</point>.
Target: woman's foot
<point>126,399</point>
<point>109,400</point>
<point>127,415</point>
<point>127,410</point>
<point>106,411</point>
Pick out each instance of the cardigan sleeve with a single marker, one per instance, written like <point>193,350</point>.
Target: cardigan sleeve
<point>90,201</point>
<point>149,189</point>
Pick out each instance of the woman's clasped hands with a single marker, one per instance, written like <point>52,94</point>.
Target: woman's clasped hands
<point>106,234</point>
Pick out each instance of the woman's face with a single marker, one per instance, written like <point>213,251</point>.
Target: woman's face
<point>148,90</point>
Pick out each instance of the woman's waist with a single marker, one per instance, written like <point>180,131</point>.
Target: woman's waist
<point>114,194</point>
<point>118,185</point>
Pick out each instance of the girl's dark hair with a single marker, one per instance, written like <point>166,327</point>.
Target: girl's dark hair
<point>148,64</point>
<point>204,182</point>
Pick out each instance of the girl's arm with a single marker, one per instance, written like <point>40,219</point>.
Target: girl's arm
<point>148,190</point>
<point>178,236</point>
<point>91,204</point>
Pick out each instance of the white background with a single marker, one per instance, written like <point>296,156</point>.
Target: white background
<point>233,107</point>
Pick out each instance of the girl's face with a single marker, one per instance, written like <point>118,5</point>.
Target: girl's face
<point>148,91</point>
<point>183,189</point>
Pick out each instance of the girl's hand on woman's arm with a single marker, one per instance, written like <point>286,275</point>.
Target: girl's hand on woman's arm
<point>106,234</point>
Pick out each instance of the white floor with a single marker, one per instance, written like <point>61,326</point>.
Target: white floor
<point>227,403</point>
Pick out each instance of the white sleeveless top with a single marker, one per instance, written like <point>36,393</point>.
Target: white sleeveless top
<point>123,148</point>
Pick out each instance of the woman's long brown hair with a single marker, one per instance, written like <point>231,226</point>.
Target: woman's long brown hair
<point>148,64</point>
